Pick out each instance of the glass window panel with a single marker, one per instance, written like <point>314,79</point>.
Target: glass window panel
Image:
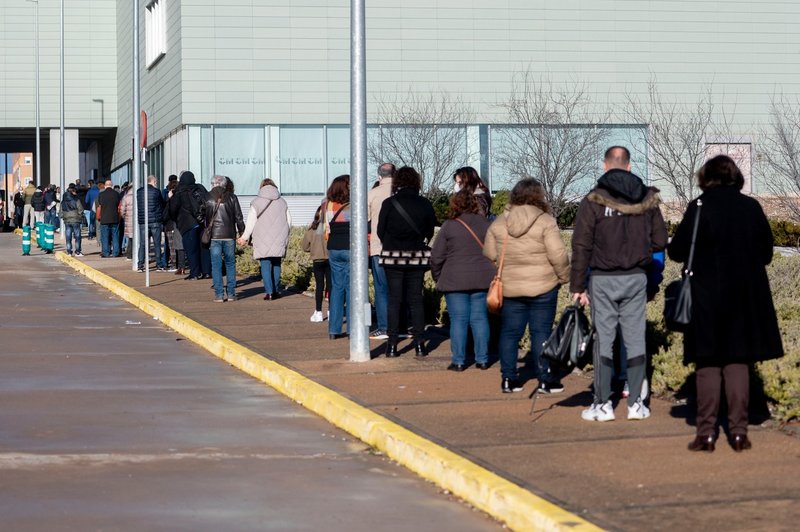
<point>301,160</point>
<point>239,154</point>
<point>338,151</point>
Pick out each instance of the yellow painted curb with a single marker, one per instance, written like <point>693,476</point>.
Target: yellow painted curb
<point>504,500</point>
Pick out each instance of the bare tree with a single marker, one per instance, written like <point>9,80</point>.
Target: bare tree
<point>779,155</point>
<point>427,131</point>
<point>553,136</point>
<point>675,144</point>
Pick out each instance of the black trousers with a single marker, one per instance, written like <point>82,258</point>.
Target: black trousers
<point>737,392</point>
<point>405,287</point>
<point>322,280</point>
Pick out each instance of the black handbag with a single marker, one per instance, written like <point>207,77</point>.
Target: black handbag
<point>678,294</point>
<point>570,343</point>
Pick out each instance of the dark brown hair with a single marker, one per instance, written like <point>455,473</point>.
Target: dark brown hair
<point>463,202</point>
<point>267,181</point>
<point>339,191</point>
<point>406,177</point>
<point>720,171</point>
<point>470,180</point>
<point>529,191</point>
<point>317,217</point>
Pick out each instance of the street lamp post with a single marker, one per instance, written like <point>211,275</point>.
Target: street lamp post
<point>36,63</point>
<point>61,128</point>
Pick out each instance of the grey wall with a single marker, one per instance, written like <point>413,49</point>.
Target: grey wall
<point>160,85</point>
<point>89,65</point>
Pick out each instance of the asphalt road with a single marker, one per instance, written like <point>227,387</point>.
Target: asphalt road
<point>110,421</point>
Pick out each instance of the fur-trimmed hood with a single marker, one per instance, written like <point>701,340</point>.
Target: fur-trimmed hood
<point>624,192</point>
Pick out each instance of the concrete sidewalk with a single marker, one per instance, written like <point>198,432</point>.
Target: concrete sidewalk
<point>621,475</point>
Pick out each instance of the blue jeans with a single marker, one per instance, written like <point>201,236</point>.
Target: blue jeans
<point>271,274</point>
<point>91,219</point>
<point>468,310</point>
<point>381,286</point>
<point>73,230</point>
<point>154,230</point>
<point>538,314</point>
<point>339,260</point>
<point>111,230</point>
<point>223,250</point>
<point>50,217</point>
<point>191,244</point>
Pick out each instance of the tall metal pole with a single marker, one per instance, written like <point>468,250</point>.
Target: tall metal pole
<point>38,135</point>
<point>61,155</point>
<point>361,312</point>
<point>135,160</point>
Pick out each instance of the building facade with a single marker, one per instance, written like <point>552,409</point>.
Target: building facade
<point>260,88</point>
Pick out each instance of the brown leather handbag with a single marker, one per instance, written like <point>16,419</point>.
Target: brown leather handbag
<point>494,298</point>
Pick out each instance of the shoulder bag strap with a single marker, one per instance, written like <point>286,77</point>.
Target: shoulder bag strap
<point>264,209</point>
<point>502,256</point>
<point>688,270</point>
<point>336,214</point>
<point>216,208</point>
<point>406,217</point>
<point>478,240</point>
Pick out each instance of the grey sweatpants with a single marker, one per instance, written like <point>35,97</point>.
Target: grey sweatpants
<point>619,300</point>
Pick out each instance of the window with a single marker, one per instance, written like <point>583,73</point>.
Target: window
<point>155,31</point>
<point>28,161</point>
<point>301,160</point>
<point>239,154</point>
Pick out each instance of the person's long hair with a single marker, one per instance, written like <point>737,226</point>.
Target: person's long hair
<point>470,180</point>
<point>317,217</point>
<point>339,191</point>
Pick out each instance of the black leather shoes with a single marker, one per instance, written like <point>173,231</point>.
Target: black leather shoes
<point>456,367</point>
<point>337,336</point>
<point>740,442</point>
<point>419,348</point>
<point>391,348</point>
<point>482,365</point>
<point>702,443</point>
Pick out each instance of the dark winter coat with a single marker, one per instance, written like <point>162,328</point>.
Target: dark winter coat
<point>186,206</point>
<point>395,232</point>
<point>617,228</point>
<point>733,318</point>
<point>37,201</point>
<point>226,220</point>
<point>155,205</point>
<point>71,208</point>
<point>457,261</point>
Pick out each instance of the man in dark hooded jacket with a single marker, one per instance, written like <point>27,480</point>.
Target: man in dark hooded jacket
<point>186,209</point>
<point>617,229</point>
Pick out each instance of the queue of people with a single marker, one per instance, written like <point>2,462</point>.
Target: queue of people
<point>619,229</point>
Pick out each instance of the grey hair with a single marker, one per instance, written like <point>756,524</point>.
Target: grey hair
<point>219,181</point>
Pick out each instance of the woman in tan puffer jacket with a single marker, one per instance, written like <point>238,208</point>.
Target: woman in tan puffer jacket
<point>536,263</point>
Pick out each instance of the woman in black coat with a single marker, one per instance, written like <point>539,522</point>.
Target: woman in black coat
<point>733,318</point>
<point>405,225</point>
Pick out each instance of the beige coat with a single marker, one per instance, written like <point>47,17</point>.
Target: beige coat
<point>375,199</point>
<point>536,259</point>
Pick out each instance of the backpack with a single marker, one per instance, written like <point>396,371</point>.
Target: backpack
<point>570,344</point>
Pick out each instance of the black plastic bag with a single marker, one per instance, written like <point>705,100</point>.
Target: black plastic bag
<point>570,343</point>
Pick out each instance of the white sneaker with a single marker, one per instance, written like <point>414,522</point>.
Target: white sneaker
<point>317,316</point>
<point>638,410</point>
<point>599,412</point>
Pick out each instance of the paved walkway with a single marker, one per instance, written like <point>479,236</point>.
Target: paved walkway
<point>621,475</point>
<point>109,421</point>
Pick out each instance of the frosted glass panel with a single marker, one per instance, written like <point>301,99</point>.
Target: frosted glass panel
<point>301,160</point>
<point>338,152</point>
<point>239,154</point>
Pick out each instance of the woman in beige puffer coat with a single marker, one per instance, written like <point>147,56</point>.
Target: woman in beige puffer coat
<point>535,265</point>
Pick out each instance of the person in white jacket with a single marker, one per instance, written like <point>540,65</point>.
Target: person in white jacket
<point>268,222</point>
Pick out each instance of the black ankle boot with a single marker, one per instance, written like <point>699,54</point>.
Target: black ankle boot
<point>419,348</point>
<point>391,347</point>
